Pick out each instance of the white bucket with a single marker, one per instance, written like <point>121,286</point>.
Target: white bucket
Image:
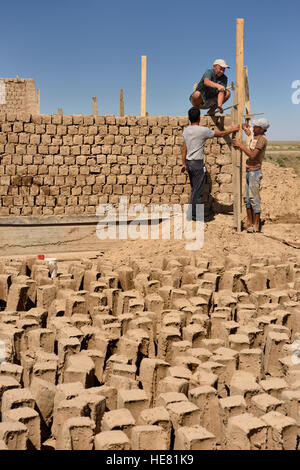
<point>54,263</point>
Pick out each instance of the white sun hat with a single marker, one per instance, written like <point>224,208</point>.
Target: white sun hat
<point>263,123</point>
<point>222,63</point>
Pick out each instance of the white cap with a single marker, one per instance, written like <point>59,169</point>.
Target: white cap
<point>222,63</point>
<point>263,123</point>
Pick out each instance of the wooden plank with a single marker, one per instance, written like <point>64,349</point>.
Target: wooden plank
<point>234,119</point>
<point>247,101</point>
<point>239,84</point>
<point>95,106</point>
<point>121,103</point>
<point>143,85</point>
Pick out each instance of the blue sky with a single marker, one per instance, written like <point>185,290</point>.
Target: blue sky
<point>75,50</point>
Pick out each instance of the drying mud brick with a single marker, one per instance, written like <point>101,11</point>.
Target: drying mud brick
<point>149,437</point>
<point>111,440</point>
<point>14,435</point>
<point>194,438</point>
<point>246,432</point>
<point>184,354</point>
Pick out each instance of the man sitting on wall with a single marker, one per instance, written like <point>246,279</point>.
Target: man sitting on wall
<point>194,138</point>
<point>211,91</point>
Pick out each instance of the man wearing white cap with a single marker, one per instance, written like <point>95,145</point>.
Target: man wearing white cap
<point>255,153</point>
<point>211,91</point>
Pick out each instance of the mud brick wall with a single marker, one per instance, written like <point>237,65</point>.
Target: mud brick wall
<point>68,165</point>
<point>18,95</point>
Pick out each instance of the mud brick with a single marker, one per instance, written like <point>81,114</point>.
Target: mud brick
<point>17,297</point>
<point>194,438</point>
<point>45,296</point>
<point>251,360</point>
<point>200,353</point>
<point>282,432</point>
<point>79,368</point>
<point>31,420</point>
<point>194,334</point>
<point>134,400</point>
<point>152,371</point>
<point>11,370</point>
<point>273,386</point>
<point>206,400</point>
<point>172,384</point>
<point>77,434</point>
<point>41,338</point>
<point>166,337</point>
<point>46,370</point>
<point>180,348</point>
<point>65,409</point>
<point>243,383</point>
<point>98,359</point>
<point>238,342</point>
<point>157,416</point>
<point>67,347</point>
<point>149,438</point>
<point>264,403</point>
<point>228,408</point>
<point>273,352</point>
<point>183,414</point>
<point>212,344</point>
<point>7,383</point>
<point>16,398</point>
<point>245,431</point>
<point>14,435</point>
<point>179,372</point>
<point>291,399</point>
<point>120,419</point>
<point>112,440</point>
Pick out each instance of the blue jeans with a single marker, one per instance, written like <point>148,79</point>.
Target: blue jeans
<point>252,187</point>
<point>197,174</point>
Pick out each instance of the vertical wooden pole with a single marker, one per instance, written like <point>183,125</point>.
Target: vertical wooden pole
<point>239,93</point>
<point>247,99</point>
<point>38,101</point>
<point>60,111</point>
<point>121,103</point>
<point>143,85</point>
<point>95,105</point>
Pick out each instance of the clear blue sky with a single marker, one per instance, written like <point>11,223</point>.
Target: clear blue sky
<point>78,49</point>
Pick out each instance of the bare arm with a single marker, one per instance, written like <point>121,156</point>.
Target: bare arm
<point>248,152</point>
<point>229,131</point>
<point>208,82</point>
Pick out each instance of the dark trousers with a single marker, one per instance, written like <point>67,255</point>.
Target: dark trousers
<point>197,175</point>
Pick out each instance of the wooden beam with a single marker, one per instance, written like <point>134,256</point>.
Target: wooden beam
<point>95,105</point>
<point>247,101</point>
<point>121,103</point>
<point>239,82</point>
<point>143,85</point>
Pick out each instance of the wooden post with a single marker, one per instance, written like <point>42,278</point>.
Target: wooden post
<point>247,100</point>
<point>60,111</point>
<point>121,103</point>
<point>95,106</point>
<point>237,177</point>
<point>38,101</point>
<point>143,85</point>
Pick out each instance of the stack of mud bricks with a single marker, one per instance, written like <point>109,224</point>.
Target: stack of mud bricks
<point>18,95</point>
<point>189,355</point>
<point>68,165</point>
